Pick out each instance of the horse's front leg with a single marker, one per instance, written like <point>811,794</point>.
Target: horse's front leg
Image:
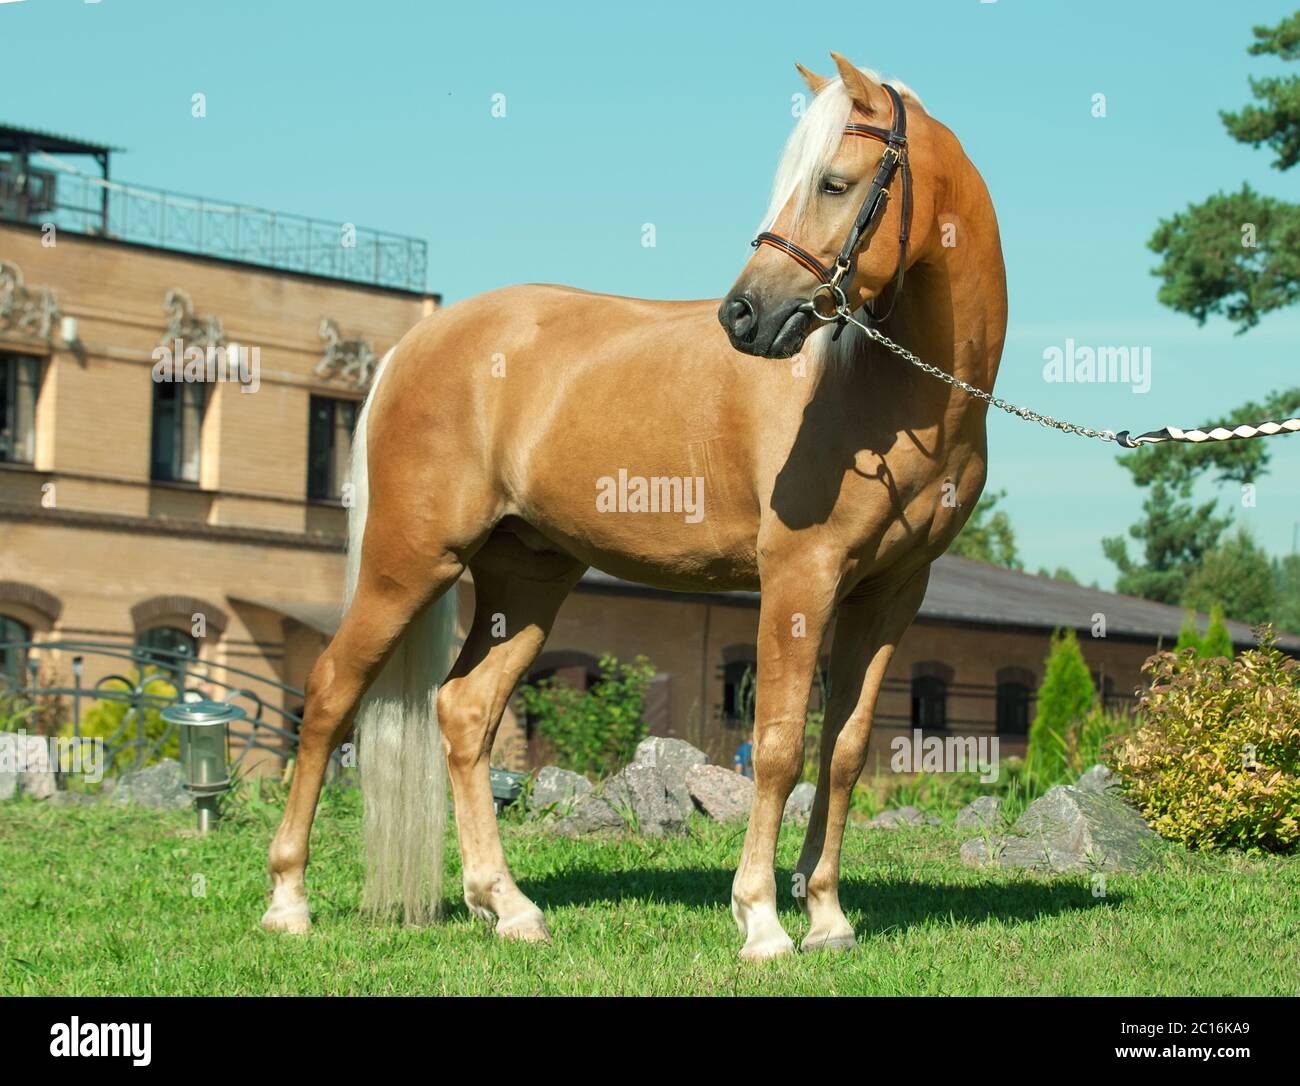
<point>797,601</point>
<point>867,630</point>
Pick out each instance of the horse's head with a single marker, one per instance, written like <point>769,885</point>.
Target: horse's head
<point>844,182</point>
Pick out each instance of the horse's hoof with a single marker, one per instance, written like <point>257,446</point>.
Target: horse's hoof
<point>527,928</point>
<point>761,950</point>
<point>814,941</point>
<point>293,919</point>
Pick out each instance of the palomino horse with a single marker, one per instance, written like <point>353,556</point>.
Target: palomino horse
<point>831,482</point>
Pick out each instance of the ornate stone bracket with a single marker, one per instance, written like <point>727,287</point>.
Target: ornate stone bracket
<point>350,360</point>
<point>26,311</point>
<point>183,324</point>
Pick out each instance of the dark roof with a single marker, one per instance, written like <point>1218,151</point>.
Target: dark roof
<point>16,138</point>
<point>963,590</point>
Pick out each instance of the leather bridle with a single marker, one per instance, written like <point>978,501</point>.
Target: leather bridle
<point>829,301</point>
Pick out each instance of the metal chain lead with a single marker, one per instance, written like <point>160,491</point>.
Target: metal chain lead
<point>1122,438</point>
<point>956,382</point>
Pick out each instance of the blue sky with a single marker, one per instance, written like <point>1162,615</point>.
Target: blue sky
<point>674,114</point>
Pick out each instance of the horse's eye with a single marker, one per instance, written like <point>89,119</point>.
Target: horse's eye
<point>833,186</point>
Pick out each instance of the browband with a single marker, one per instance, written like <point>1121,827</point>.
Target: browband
<point>835,280</point>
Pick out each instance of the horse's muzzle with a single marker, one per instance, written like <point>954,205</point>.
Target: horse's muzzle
<point>778,332</point>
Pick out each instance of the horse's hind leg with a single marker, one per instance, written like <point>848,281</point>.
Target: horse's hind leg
<point>517,594</point>
<point>382,607</point>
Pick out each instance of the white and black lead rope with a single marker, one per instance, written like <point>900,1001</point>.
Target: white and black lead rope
<point>1122,438</point>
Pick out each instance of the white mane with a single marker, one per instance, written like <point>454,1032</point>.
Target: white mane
<point>812,145</point>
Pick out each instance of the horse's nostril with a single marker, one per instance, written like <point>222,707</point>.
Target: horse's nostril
<point>741,317</point>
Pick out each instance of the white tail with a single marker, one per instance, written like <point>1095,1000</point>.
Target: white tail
<point>400,754</point>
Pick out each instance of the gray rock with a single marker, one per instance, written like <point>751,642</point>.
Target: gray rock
<point>672,757</point>
<point>589,814</point>
<point>161,786</point>
<point>643,791</point>
<point>635,797</point>
<point>903,816</point>
<point>799,805</point>
<point>982,813</point>
<point>1070,829</point>
<point>74,799</point>
<point>1099,778</point>
<point>722,794</point>
<point>556,787</point>
<point>9,763</point>
<point>981,852</point>
<point>25,767</point>
<point>39,785</point>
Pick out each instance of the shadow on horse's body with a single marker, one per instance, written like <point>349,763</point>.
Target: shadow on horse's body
<point>830,481</point>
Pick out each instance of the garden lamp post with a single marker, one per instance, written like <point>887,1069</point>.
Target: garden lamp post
<point>506,787</point>
<point>205,733</point>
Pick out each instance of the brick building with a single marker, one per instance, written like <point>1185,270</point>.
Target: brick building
<point>144,512</point>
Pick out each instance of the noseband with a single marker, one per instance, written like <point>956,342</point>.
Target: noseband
<point>829,300</point>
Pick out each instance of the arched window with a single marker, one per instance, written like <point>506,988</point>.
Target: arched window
<point>739,667</point>
<point>930,681</point>
<point>156,646</point>
<point>579,670</point>
<point>737,692</point>
<point>1104,685</point>
<point>1015,690</point>
<point>13,657</point>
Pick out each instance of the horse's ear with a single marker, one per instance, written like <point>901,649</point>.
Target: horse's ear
<point>815,82</point>
<point>865,93</point>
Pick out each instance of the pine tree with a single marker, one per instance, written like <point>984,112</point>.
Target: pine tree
<point>1287,572</point>
<point>1208,264</point>
<point>988,536</point>
<point>1189,637</point>
<point>1217,642</point>
<point>1065,695</point>
<point>1238,577</point>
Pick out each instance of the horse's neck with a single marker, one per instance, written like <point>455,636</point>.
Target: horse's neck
<point>951,314</point>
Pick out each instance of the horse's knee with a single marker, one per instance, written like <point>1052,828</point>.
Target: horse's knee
<point>778,754</point>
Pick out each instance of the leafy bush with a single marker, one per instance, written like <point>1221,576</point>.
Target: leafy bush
<point>15,713</point>
<point>1065,695</point>
<point>1215,761</point>
<point>594,732</point>
<point>103,719</point>
<point>1091,738</point>
<point>45,714</point>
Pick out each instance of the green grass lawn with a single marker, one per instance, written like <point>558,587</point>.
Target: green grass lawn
<point>103,901</point>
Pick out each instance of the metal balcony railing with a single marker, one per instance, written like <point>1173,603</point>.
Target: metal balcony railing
<point>52,191</point>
